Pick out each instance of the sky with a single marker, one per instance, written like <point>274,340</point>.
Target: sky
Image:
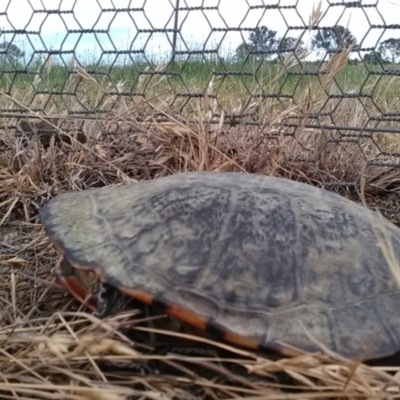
<point>195,30</point>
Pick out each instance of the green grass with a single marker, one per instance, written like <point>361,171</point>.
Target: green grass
<point>232,85</point>
<point>196,71</point>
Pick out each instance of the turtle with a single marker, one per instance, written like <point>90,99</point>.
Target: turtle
<point>260,262</point>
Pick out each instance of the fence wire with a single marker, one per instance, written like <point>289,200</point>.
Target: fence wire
<point>330,68</point>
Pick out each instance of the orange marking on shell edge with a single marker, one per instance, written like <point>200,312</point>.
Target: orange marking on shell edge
<point>240,341</point>
<point>192,319</point>
<point>71,284</point>
<point>138,295</point>
<point>174,311</point>
<point>186,316</point>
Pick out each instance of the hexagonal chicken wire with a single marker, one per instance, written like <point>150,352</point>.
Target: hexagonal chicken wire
<point>331,68</point>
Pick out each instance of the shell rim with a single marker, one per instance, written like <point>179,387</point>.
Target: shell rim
<point>70,282</point>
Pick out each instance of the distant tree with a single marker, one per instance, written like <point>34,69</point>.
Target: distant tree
<point>335,38</point>
<point>373,57</point>
<point>265,39</point>
<point>12,51</point>
<point>390,49</point>
<point>287,44</point>
<point>261,39</point>
<point>242,51</point>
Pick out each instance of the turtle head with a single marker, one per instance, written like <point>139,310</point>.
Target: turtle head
<point>109,299</point>
<point>66,275</point>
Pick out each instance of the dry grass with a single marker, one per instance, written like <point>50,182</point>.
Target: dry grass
<point>51,348</point>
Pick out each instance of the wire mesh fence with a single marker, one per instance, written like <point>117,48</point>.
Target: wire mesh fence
<point>324,74</point>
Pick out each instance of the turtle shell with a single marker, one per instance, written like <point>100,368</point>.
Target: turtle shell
<point>264,262</point>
